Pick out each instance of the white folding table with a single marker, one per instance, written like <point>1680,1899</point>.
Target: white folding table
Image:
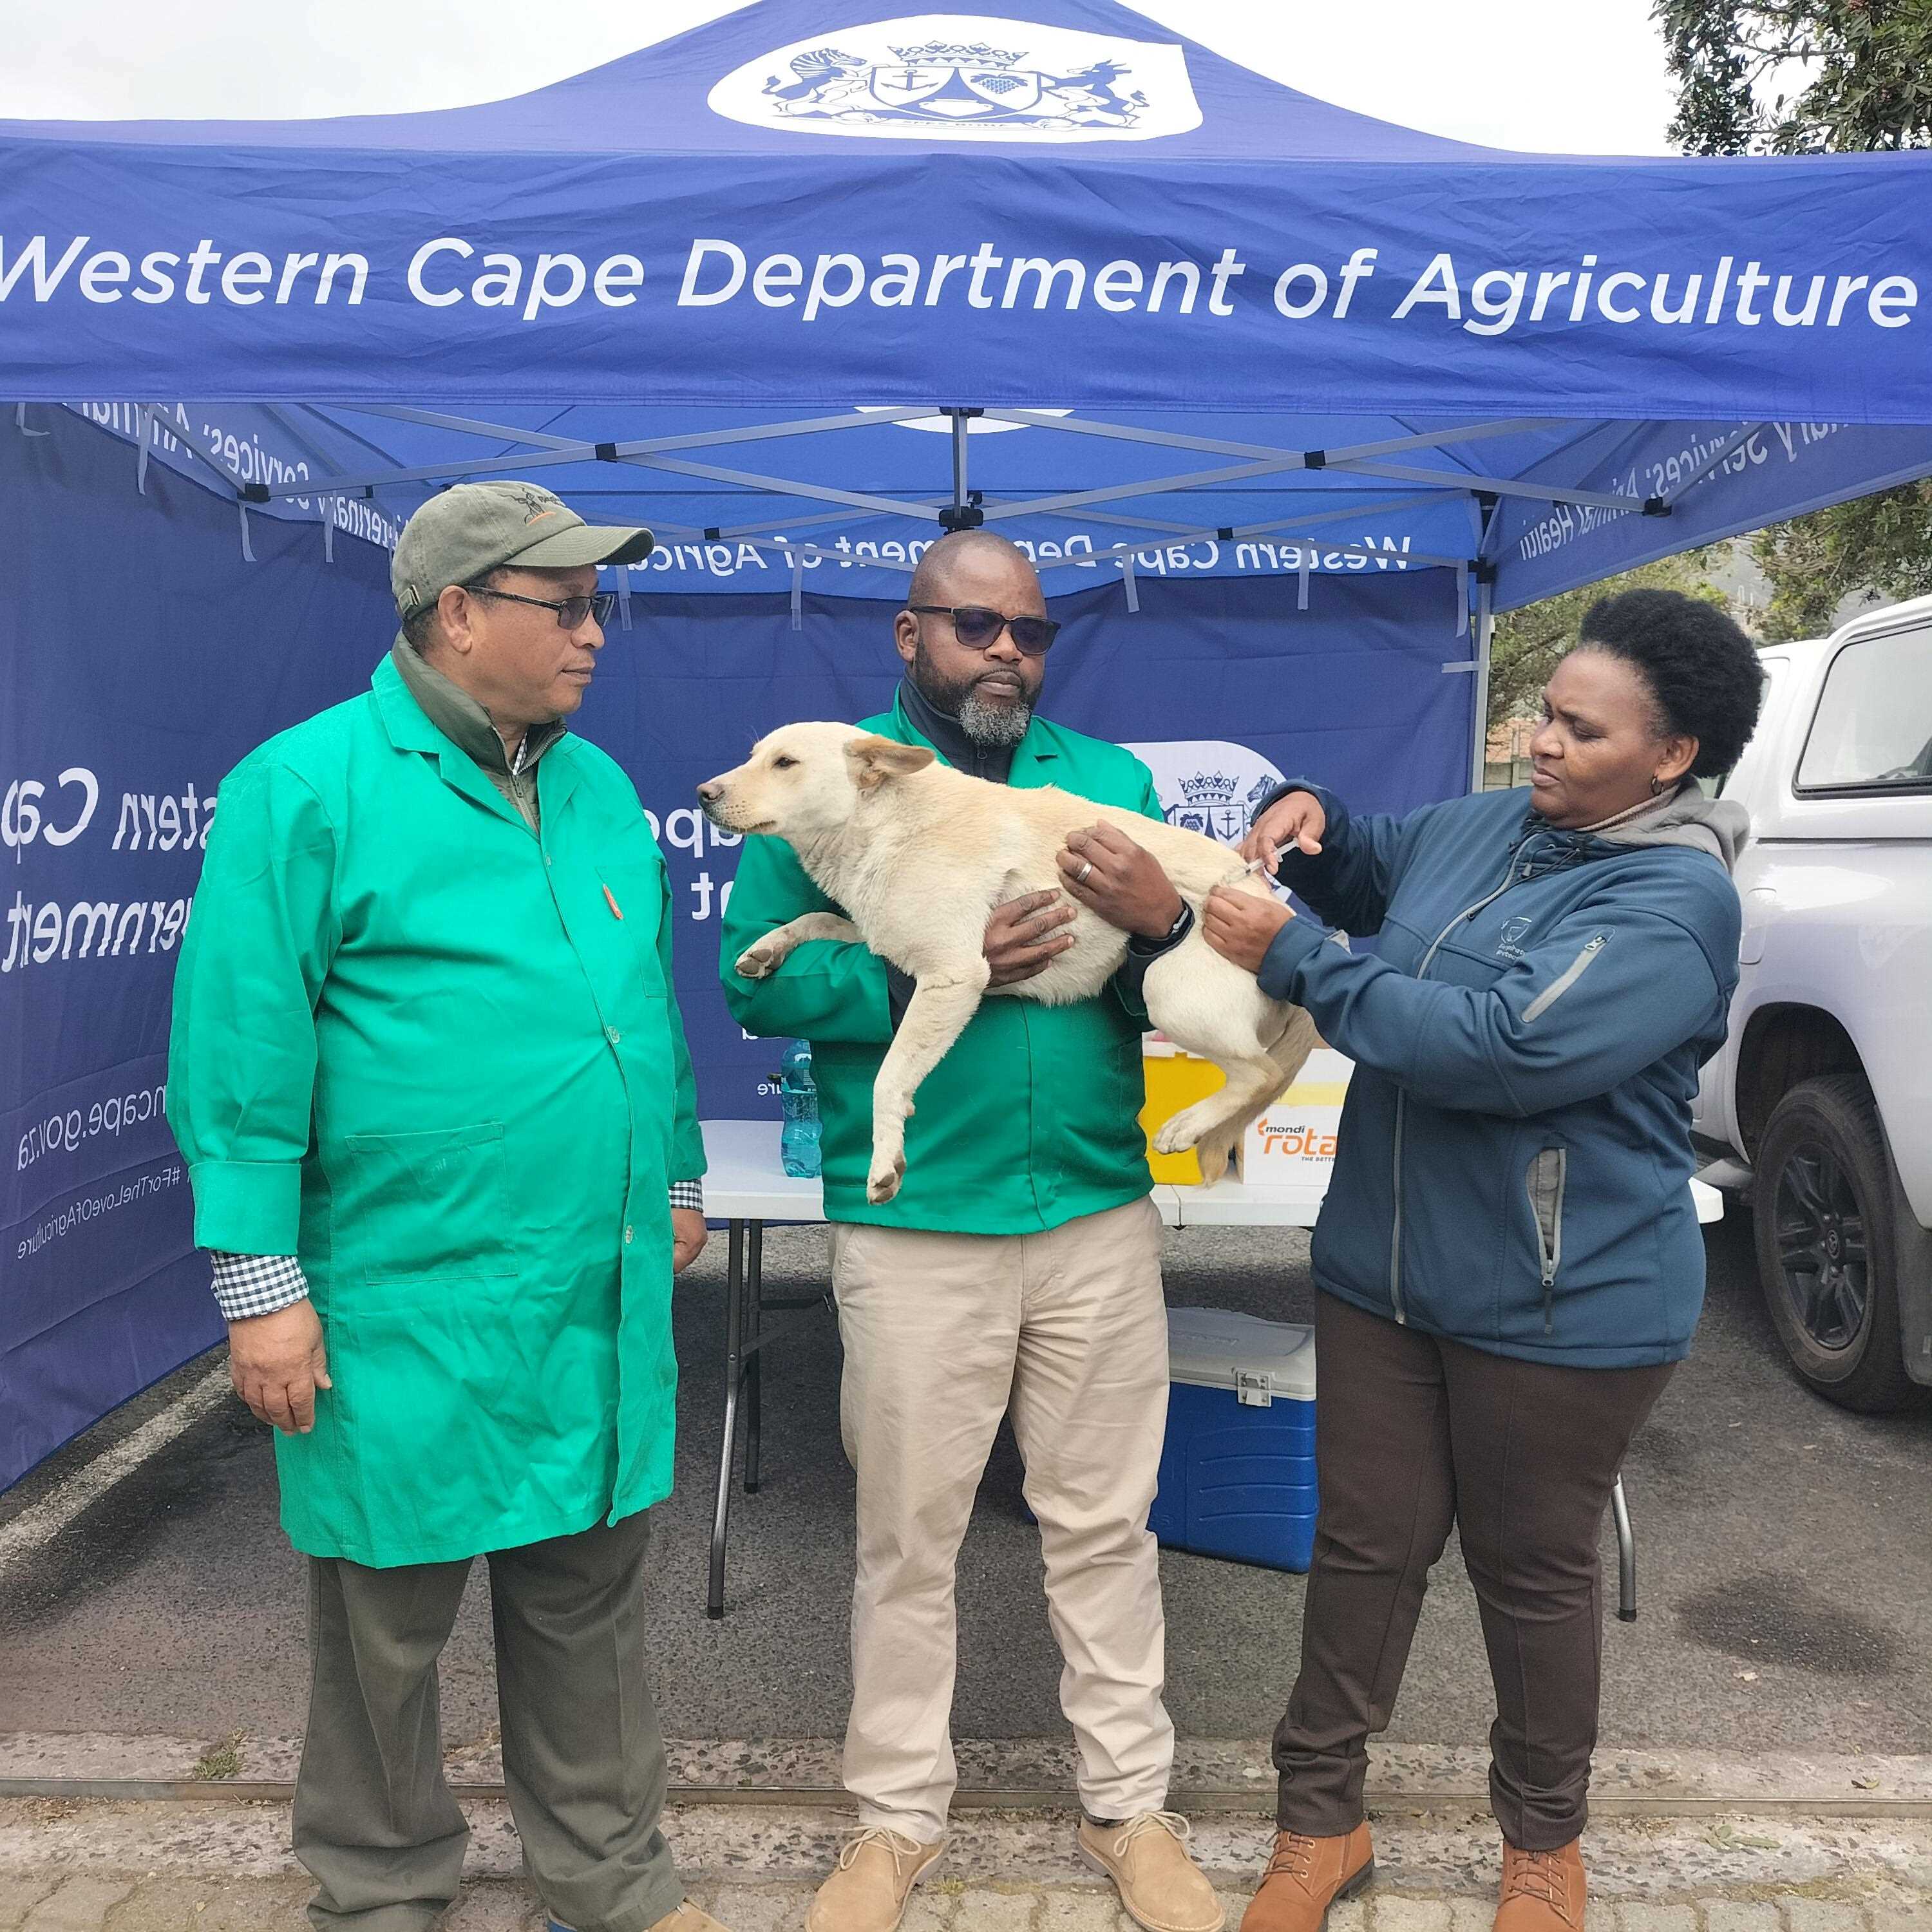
<point>747,1188</point>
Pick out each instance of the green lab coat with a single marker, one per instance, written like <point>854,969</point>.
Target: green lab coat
<point>1030,1120</point>
<point>415,1045</point>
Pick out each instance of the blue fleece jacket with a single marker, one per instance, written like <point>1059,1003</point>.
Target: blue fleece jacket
<point>1512,1164</point>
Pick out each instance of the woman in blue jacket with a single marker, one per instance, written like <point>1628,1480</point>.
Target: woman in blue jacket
<point>1508,1259</point>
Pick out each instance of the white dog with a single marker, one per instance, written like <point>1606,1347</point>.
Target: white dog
<point>920,855</point>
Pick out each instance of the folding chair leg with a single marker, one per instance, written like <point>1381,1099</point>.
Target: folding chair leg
<point>1626,1555</point>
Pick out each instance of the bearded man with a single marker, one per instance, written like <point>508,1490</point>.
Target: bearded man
<point>1017,1271</point>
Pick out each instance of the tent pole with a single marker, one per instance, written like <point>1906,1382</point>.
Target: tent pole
<point>1071,425</point>
<point>959,422</point>
<point>1721,455</point>
<point>1153,486</point>
<point>1480,724</point>
<point>1504,486</point>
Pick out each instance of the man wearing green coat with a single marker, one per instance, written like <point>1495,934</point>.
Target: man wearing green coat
<point>429,1075</point>
<point>1017,1270</point>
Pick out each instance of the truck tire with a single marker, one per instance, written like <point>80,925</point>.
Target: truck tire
<point>1825,1221</point>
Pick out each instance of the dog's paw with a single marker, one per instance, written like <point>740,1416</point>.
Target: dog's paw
<point>1178,1134</point>
<point>883,1183</point>
<point>759,962</point>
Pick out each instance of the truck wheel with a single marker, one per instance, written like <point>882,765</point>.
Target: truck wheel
<point>1822,1210</point>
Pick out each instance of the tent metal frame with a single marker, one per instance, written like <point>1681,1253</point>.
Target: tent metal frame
<point>542,449</point>
<point>822,505</point>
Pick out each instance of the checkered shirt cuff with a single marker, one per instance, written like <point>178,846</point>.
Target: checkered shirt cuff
<point>688,1194</point>
<point>246,1285</point>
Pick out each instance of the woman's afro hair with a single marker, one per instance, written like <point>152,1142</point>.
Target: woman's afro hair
<point>1702,670</point>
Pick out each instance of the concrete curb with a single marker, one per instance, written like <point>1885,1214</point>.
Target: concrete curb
<point>1210,1775</point>
<point>1691,1839</point>
<point>1441,1855</point>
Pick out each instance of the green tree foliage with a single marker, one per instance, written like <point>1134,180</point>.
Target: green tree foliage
<point>1883,542</point>
<point>1859,73</point>
<point>1528,642</point>
<point>1861,70</point>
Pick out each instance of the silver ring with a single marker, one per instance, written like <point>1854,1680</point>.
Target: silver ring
<point>1080,877</point>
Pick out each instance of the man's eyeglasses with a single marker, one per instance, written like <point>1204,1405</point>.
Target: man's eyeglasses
<point>570,611</point>
<point>975,627</point>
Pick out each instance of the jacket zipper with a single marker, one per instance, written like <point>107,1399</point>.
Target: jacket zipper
<point>1402,1098</point>
<point>1549,1176</point>
<point>1564,981</point>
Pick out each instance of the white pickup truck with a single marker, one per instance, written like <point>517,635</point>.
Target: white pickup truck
<point>1819,1107</point>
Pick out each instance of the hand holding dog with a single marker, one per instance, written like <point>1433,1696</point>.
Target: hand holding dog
<point>1241,926</point>
<point>1023,937</point>
<point>1123,882</point>
<point>1297,820</point>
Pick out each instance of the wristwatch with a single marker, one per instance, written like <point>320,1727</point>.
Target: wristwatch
<point>1172,936</point>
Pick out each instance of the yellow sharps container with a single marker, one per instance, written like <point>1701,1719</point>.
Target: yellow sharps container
<point>1174,1080</point>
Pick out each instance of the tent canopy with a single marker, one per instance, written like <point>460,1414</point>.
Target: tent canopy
<point>1288,337</point>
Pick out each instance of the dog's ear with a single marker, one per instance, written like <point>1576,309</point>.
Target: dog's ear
<point>874,759</point>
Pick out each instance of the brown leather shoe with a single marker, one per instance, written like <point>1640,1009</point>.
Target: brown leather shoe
<point>1543,1891</point>
<point>1305,1876</point>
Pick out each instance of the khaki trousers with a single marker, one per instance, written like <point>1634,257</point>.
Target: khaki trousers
<point>583,1759</point>
<point>943,1335</point>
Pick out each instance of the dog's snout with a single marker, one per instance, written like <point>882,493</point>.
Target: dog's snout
<point>711,790</point>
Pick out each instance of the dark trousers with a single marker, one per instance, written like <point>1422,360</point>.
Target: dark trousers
<point>1413,1434</point>
<point>583,1758</point>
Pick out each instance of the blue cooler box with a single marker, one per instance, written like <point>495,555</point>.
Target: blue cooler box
<point>1237,1472</point>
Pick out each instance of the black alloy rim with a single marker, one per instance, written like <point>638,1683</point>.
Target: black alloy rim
<point>1821,1247</point>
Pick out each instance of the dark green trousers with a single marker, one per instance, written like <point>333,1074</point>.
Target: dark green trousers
<point>583,1757</point>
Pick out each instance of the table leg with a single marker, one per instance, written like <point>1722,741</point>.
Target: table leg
<point>755,1301</point>
<point>734,1340</point>
<point>1626,1555</point>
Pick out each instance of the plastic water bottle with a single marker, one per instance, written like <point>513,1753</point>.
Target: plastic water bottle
<point>798,1094</point>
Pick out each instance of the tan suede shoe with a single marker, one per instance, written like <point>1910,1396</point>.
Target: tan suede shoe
<point>1543,1891</point>
<point>868,1887</point>
<point>688,1918</point>
<point>1305,1876</point>
<point>1160,1885</point>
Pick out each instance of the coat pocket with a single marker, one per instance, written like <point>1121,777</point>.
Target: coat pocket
<point>1564,980</point>
<point>426,1206</point>
<point>442,1413</point>
<point>1549,1173</point>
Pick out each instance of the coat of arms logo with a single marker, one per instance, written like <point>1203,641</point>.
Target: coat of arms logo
<point>963,76</point>
<point>949,81</point>
<point>1209,785</point>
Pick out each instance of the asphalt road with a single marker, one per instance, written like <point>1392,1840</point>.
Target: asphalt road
<point>1785,1554</point>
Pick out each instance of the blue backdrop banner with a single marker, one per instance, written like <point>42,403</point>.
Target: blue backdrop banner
<point>142,655</point>
<point>139,658</point>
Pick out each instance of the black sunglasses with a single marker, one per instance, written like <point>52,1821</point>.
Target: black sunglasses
<point>570,611</point>
<point>975,627</point>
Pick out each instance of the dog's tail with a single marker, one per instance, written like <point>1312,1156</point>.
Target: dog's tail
<point>1288,1055</point>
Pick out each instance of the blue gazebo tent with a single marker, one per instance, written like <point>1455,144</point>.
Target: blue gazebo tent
<point>1286,402</point>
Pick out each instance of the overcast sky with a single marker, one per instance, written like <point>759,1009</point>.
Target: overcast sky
<point>1512,73</point>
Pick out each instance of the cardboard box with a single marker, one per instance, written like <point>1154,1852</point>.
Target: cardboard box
<point>1291,1146</point>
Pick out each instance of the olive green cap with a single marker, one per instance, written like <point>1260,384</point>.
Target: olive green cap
<point>475,528</point>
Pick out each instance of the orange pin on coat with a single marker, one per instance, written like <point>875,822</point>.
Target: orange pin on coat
<point>611,898</point>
